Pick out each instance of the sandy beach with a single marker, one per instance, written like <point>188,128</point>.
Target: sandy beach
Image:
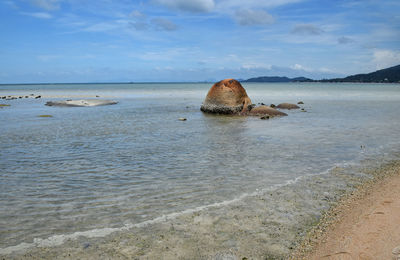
<point>364,225</point>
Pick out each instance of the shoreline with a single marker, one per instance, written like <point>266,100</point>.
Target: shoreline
<point>362,224</point>
<point>269,224</point>
<point>210,234</point>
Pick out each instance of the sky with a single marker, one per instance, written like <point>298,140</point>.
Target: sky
<point>66,41</point>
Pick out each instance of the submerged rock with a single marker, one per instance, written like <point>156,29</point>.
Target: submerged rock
<point>81,103</point>
<point>45,116</point>
<point>287,106</point>
<point>300,103</point>
<point>266,110</point>
<point>182,119</point>
<point>226,97</point>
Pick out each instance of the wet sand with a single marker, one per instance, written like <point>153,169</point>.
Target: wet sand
<point>364,225</point>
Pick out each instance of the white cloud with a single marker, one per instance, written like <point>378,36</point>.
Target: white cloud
<point>195,6</point>
<point>10,4</point>
<point>345,40</point>
<point>252,4</point>
<point>140,26</point>
<point>47,4</point>
<point>164,24</point>
<point>300,67</point>
<point>307,29</point>
<point>247,17</point>
<point>46,58</point>
<point>102,27</point>
<point>137,15</point>
<point>385,58</point>
<point>40,15</point>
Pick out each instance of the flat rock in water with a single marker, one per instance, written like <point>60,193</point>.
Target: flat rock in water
<point>265,110</point>
<point>81,103</point>
<point>287,106</point>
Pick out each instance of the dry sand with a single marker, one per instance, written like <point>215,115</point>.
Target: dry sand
<point>365,225</point>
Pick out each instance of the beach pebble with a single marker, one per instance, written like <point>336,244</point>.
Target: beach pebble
<point>182,119</point>
<point>38,97</point>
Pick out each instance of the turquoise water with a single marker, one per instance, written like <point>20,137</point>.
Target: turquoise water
<point>113,166</point>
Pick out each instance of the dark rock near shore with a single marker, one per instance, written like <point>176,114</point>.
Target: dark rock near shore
<point>287,106</point>
<point>266,110</point>
<point>226,97</point>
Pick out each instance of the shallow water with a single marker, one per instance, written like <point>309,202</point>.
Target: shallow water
<point>87,169</point>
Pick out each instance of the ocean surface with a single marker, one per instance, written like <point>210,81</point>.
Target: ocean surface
<point>96,170</point>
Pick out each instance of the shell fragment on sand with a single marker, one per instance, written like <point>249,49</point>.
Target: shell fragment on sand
<point>81,103</point>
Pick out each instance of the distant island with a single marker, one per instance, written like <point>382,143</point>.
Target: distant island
<point>278,79</point>
<point>389,75</point>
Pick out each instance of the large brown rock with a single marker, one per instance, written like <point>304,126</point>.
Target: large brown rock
<point>266,110</point>
<point>287,106</point>
<point>226,97</point>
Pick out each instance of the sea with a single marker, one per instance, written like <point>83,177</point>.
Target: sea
<point>234,185</point>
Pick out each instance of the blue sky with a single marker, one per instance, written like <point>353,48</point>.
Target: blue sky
<point>194,40</point>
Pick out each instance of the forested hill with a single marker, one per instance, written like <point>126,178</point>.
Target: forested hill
<point>389,75</point>
<point>277,79</point>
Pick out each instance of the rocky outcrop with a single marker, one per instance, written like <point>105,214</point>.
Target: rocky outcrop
<point>266,110</point>
<point>81,103</point>
<point>287,106</point>
<point>226,97</point>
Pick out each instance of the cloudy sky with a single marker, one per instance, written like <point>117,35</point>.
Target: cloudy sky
<point>194,40</point>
